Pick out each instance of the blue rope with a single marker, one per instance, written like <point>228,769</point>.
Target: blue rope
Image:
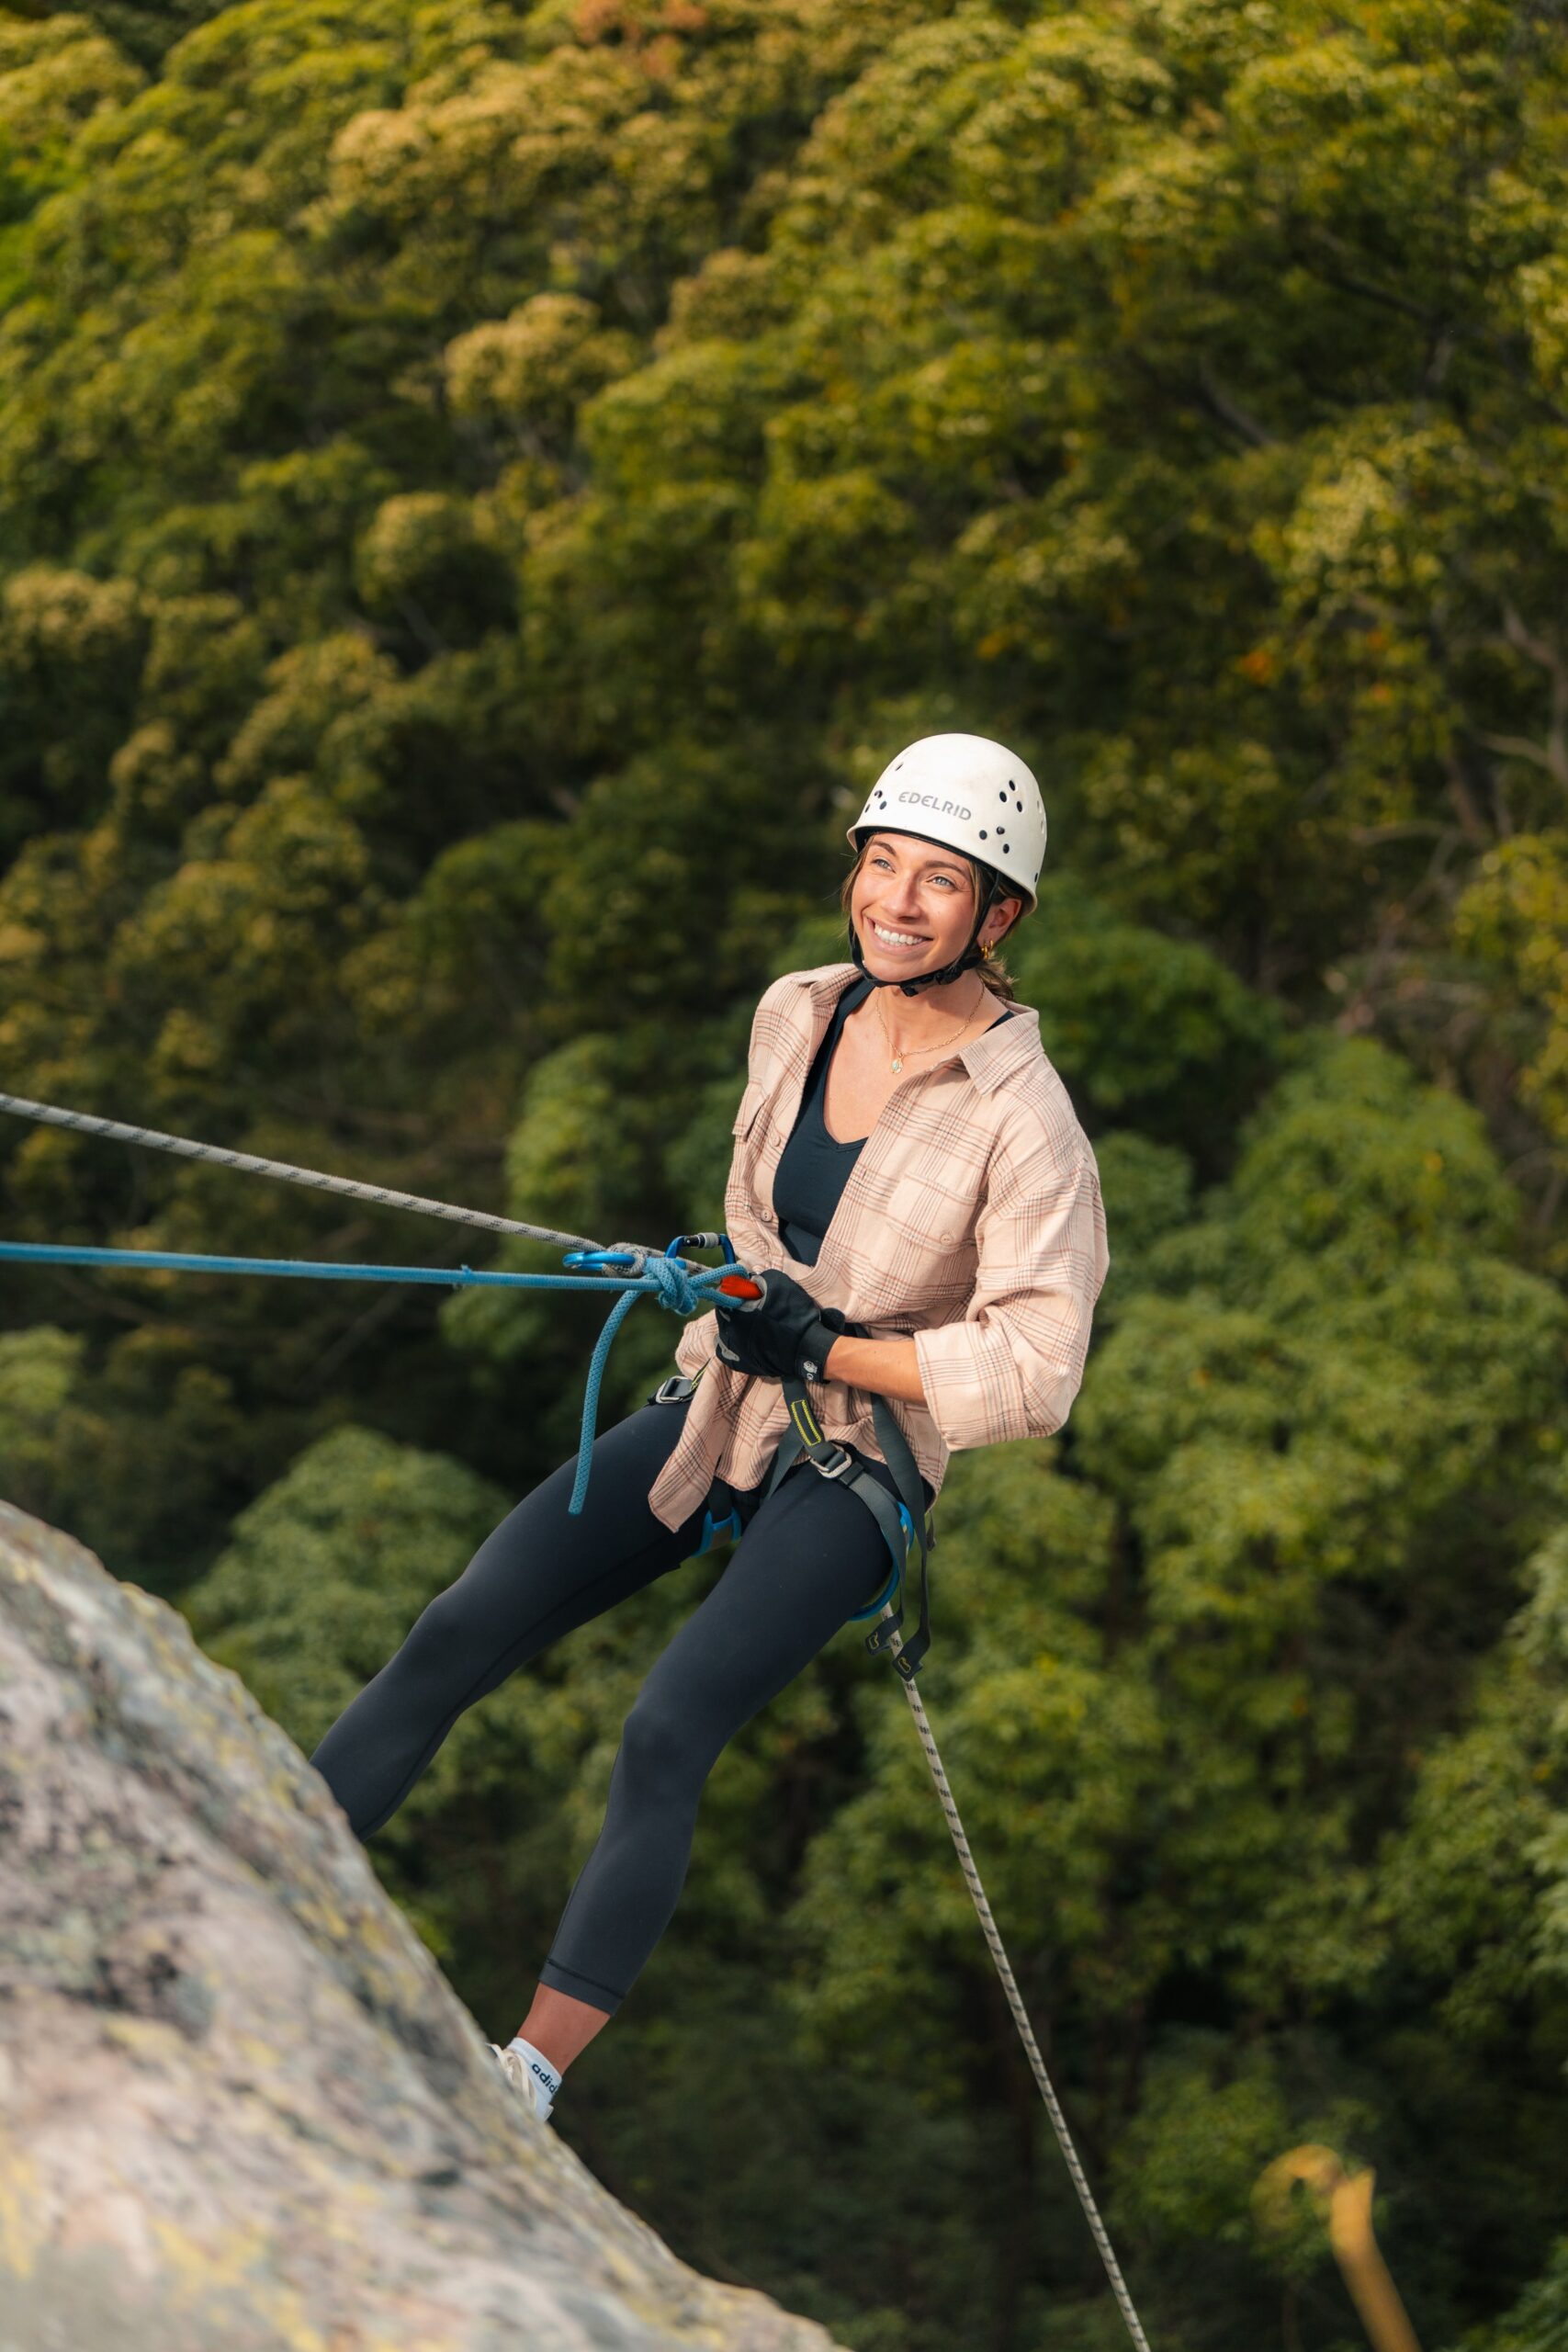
<point>685,1289</point>
<point>677,1289</point>
<point>685,1300</point>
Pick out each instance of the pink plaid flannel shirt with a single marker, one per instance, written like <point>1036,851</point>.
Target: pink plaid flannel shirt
<point>972,1223</point>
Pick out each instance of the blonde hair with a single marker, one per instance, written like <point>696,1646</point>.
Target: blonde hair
<point>992,971</point>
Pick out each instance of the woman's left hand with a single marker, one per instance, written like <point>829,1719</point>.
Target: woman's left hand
<point>784,1335</point>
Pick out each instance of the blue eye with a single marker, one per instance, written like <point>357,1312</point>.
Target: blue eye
<point>935,878</point>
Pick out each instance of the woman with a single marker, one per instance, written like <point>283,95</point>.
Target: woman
<point>912,1184</point>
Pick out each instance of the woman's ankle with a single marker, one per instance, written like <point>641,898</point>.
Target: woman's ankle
<point>560,2026</point>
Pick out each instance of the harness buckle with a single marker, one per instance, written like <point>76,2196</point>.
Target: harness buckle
<point>830,1458</point>
<point>673,1391</point>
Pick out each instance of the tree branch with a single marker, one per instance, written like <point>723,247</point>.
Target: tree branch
<point>1218,401</point>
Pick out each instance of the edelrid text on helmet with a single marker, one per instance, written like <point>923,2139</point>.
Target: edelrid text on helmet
<point>942,808</point>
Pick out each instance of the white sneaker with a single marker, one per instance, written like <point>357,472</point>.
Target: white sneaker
<point>527,2085</point>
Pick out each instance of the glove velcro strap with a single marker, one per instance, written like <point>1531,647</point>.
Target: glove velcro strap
<point>814,1348</point>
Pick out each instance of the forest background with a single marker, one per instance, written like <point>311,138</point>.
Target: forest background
<point>482,489</point>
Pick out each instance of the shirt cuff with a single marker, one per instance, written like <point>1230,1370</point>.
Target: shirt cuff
<point>972,1385</point>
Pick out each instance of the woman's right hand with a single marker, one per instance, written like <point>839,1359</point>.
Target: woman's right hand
<point>783,1335</point>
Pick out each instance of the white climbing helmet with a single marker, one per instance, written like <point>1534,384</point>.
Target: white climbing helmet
<point>968,794</point>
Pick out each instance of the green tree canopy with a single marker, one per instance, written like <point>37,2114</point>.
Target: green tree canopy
<point>483,492</point>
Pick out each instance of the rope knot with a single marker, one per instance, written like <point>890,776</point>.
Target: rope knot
<point>675,1288</point>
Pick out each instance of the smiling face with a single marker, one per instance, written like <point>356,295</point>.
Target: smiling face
<point>912,904</point>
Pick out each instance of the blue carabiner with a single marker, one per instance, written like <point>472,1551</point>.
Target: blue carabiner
<point>703,1242</point>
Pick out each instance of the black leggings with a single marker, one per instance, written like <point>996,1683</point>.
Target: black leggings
<point>804,1564</point>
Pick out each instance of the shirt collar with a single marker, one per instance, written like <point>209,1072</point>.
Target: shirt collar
<point>989,1059</point>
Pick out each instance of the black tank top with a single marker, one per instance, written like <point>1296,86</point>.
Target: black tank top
<point>814,1169</point>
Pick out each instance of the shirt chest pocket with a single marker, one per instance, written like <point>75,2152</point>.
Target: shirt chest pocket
<point>929,1226</point>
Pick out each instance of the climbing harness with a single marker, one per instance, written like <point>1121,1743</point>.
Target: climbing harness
<point>804,1440</point>
<point>901,1525</point>
<point>683,1287</point>
<point>723,1526</point>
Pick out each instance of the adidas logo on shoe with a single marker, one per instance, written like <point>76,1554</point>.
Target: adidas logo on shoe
<point>527,2079</point>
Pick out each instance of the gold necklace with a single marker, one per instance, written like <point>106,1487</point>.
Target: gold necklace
<point>897,1061</point>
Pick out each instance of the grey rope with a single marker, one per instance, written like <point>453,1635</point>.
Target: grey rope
<point>344,1186</point>
<point>1021,2014</point>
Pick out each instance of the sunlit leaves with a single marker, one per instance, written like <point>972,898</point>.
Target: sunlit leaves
<point>484,491</point>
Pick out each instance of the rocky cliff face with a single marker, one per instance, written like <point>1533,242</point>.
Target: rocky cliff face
<point>239,2105</point>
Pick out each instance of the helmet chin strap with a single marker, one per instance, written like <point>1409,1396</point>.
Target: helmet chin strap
<point>960,965</point>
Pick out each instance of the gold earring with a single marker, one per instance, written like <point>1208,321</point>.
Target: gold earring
<point>986,949</point>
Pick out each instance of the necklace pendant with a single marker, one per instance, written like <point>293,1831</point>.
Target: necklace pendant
<point>898,1065</point>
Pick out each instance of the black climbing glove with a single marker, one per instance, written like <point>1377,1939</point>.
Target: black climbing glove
<point>784,1335</point>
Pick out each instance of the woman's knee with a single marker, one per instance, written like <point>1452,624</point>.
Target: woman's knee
<point>661,1756</point>
<point>440,1644</point>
